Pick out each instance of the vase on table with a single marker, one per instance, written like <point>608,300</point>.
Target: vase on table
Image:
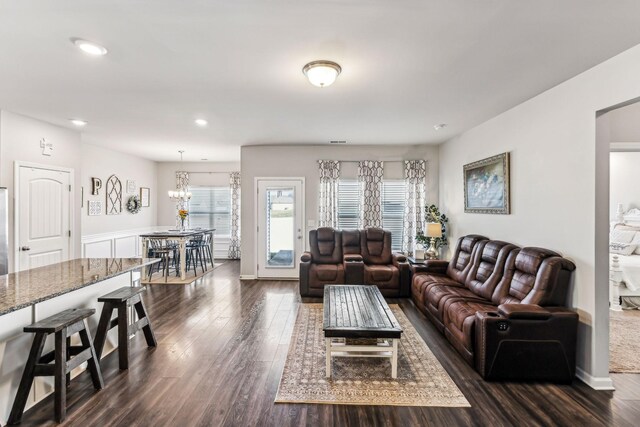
<point>182,224</point>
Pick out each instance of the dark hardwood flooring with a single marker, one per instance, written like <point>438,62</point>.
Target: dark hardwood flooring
<point>221,349</point>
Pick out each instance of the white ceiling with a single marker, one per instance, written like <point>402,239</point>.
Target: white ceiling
<point>407,65</point>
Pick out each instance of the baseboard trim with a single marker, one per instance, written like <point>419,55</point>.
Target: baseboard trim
<point>596,383</point>
<point>247,277</point>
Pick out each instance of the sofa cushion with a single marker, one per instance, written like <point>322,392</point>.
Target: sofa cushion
<point>323,274</point>
<point>375,244</point>
<point>459,320</point>
<point>383,276</point>
<point>325,245</point>
<point>488,267</point>
<point>351,241</point>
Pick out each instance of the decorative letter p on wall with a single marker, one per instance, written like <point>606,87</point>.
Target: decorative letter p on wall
<point>96,185</point>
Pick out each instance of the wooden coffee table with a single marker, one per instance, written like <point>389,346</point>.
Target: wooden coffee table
<point>357,311</point>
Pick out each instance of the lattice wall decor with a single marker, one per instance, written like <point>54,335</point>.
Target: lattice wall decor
<point>114,196</point>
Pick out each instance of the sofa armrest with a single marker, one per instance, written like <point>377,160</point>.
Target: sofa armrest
<point>306,257</point>
<point>398,259</point>
<point>400,262</point>
<point>353,269</point>
<point>434,266</point>
<point>305,266</point>
<point>521,342</point>
<point>523,311</point>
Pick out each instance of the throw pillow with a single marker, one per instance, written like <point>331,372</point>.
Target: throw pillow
<point>622,248</point>
<point>636,241</point>
<point>622,236</point>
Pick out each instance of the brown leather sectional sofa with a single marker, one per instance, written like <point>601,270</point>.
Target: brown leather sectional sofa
<point>353,257</point>
<point>502,308</point>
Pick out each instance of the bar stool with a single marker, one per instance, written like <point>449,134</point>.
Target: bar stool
<point>120,300</point>
<point>63,325</point>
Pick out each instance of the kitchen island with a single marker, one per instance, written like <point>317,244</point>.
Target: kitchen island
<point>31,295</point>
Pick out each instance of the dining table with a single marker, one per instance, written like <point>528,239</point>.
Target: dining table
<point>181,237</point>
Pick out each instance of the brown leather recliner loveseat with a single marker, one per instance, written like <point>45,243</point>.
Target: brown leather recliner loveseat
<point>502,308</point>
<point>353,257</point>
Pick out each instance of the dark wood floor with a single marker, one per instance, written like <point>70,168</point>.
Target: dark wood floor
<point>222,347</point>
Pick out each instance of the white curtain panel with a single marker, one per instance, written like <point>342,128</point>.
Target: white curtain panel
<point>234,244</point>
<point>370,174</point>
<point>328,194</point>
<point>182,184</point>
<point>415,174</point>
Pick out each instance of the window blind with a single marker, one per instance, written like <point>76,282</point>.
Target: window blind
<point>210,207</point>
<point>392,208</point>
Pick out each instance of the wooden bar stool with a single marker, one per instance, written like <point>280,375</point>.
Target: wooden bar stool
<point>120,300</point>
<point>63,325</point>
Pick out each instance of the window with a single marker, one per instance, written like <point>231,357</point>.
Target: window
<point>210,207</point>
<point>392,208</point>
<point>393,211</point>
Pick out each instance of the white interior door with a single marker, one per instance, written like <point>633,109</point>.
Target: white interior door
<point>280,219</point>
<point>44,227</point>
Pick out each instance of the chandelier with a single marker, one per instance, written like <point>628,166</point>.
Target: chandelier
<point>179,193</point>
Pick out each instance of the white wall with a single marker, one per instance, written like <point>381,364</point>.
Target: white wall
<point>101,163</point>
<point>625,177</point>
<point>20,141</point>
<point>552,140</point>
<point>203,173</point>
<point>302,161</point>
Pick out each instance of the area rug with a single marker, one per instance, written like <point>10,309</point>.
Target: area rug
<point>421,381</point>
<point>624,339</point>
<point>158,278</point>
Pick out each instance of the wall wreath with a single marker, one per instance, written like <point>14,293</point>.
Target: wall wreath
<point>134,204</point>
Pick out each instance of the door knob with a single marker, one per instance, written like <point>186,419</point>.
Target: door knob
<point>25,248</point>
<point>299,237</point>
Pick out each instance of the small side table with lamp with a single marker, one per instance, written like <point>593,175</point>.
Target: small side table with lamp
<point>434,231</point>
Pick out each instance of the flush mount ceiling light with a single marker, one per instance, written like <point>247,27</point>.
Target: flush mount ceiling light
<point>78,122</point>
<point>440,126</point>
<point>88,47</point>
<point>321,73</point>
<point>201,122</point>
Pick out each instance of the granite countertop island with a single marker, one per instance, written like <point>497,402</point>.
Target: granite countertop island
<point>29,287</point>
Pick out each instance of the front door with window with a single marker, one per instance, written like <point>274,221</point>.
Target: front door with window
<point>280,227</point>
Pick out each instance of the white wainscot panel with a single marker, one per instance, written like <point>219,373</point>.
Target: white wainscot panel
<point>98,249</point>
<point>126,247</point>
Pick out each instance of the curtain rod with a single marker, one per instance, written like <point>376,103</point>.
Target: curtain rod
<point>223,173</point>
<point>358,161</point>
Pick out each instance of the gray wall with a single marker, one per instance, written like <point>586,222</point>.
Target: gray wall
<point>559,187</point>
<point>101,163</point>
<point>20,141</point>
<point>167,181</point>
<point>301,161</point>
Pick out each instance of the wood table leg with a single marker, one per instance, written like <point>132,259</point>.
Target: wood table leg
<point>183,258</point>
<point>394,359</point>
<point>145,254</point>
<point>328,367</point>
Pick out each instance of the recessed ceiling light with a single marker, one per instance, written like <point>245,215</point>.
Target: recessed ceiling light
<point>204,159</point>
<point>89,47</point>
<point>201,122</point>
<point>78,122</point>
<point>322,73</point>
<point>440,126</point>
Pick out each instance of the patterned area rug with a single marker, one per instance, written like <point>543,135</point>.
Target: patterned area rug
<point>624,338</point>
<point>421,381</point>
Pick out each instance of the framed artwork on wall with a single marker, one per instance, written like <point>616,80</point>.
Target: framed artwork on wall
<point>95,207</point>
<point>145,197</point>
<point>131,186</point>
<point>486,186</point>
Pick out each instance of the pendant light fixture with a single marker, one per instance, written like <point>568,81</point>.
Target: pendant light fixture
<point>180,193</point>
<point>322,73</point>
